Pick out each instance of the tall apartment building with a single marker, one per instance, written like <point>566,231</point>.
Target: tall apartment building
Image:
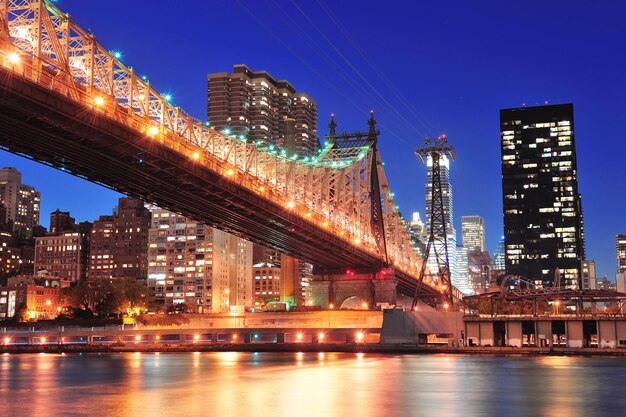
<point>119,242</point>
<point>21,202</point>
<point>60,255</point>
<point>131,223</point>
<point>446,189</point>
<point>203,268</point>
<point>255,105</point>
<point>542,207</point>
<point>620,253</point>
<point>101,249</point>
<point>473,233</point>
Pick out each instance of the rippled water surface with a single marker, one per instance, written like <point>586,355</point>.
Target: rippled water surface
<point>309,384</point>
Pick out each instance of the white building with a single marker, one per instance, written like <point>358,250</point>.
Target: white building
<point>193,264</point>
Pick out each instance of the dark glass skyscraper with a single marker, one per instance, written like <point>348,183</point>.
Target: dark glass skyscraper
<point>542,208</point>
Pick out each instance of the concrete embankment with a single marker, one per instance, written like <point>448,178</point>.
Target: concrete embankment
<point>314,347</point>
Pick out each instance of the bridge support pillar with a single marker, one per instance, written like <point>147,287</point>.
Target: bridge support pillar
<point>354,291</point>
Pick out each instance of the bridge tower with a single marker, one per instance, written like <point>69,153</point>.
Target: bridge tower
<point>435,150</point>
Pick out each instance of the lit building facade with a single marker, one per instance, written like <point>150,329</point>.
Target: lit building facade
<point>588,275</point>
<point>101,248</point>
<point>620,253</point>
<point>542,207</point>
<point>499,256</point>
<point>119,243</point>
<point>473,233</point>
<point>203,268</point>
<point>60,255</point>
<point>446,190</point>
<point>266,283</point>
<point>21,203</point>
<point>31,298</point>
<point>256,106</point>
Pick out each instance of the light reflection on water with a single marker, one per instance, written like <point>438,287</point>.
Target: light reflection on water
<point>308,384</point>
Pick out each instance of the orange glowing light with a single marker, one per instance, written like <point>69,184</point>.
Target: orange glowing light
<point>359,337</point>
<point>99,101</point>
<point>137,337</point>
<point>196,337</point>
<point>299,336</point>
<point>261,189</point>
<point>230,172</point>
<point>153,131</point>
<point>14,58</point>
<point>195,156</point>
<point>291,204</point>
<point>43,340</point>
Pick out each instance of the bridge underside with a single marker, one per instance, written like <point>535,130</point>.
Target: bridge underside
<point>47,127</point>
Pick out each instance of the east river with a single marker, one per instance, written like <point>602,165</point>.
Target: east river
<point>309,384</point>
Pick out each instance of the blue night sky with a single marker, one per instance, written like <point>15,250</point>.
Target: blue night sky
<point>426,68</point>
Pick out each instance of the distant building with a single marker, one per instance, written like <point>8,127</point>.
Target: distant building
<point>589,275</point>
<point>256,106</point>
<point>101,249</point>
<point>61,255</point>
<point>462,270</point>
<point>61,221</point>
<point>499,256</point>
<point>620,282</point>
<point>542,207</point>
<point>479,267</point>
<point>620,253</point>
<point>604,284</point>
<point>418,233</point>
<point>473,233</point>
<point>203,268</point>
<point>266,283</point>
<point>131,223</point>
<point>21,203</point>
<point>31,298</point>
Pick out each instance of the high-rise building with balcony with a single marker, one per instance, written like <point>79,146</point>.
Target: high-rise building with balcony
<point>473,233</point>
<point>21,203</point>
<point>203,268</point>
<point>256,106</point>
<point>542,207</point>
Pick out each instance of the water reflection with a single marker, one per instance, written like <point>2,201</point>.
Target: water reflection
<point>308,384</point>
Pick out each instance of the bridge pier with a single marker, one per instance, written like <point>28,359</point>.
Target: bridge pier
<point>358,290</point>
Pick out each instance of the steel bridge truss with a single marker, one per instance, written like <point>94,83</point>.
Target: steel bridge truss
<point>332,190</point>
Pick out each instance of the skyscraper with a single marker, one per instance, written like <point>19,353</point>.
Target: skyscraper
<point>446,190</point>
<point>255,105</point>
<point>620,253</point>
<point>541,203</point>
<point>499,256</point>
<point>473,233</point>
<point>20,201</point>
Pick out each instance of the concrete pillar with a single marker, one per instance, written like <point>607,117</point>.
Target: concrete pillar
<point>385,291</point>
<point>321,294</point>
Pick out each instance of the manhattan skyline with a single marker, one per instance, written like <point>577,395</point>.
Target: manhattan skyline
<point>449,69</point>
